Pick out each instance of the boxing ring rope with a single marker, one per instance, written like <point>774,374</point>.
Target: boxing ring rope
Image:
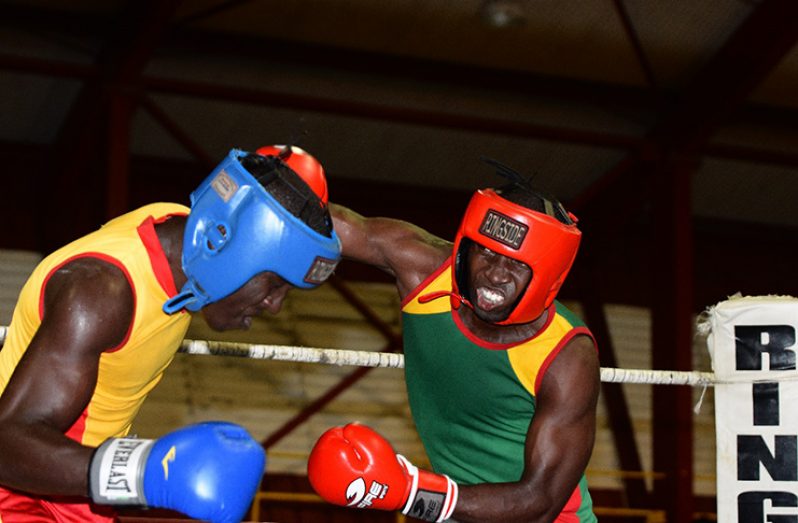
<point>359,358</point>
<point>754,325</point>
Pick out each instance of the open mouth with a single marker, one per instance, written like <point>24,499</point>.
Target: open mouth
<point>489,299</point>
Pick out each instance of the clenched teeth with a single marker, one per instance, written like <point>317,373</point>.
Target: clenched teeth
<point>490,296</point>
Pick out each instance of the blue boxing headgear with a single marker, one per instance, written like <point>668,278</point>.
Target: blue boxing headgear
<point>236,230</point>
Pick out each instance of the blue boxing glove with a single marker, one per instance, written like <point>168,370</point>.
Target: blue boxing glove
<point>207,471</point>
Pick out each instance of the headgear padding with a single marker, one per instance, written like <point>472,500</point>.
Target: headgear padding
<point>545,244</point>
<point>236,230</point>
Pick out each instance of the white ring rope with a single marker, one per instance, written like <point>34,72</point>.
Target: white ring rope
<point>357,358</point>
<point>361,358</point>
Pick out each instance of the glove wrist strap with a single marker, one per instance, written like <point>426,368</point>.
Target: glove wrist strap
<point>432,496</point>
<point>116,474</point>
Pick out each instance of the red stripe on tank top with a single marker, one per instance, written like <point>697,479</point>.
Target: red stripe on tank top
<point>568,514</point>
<point>78,429</point>
<point>158,260</point>
<point>553,354</point>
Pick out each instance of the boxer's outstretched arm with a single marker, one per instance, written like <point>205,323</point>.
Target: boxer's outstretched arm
<point>403,250</point>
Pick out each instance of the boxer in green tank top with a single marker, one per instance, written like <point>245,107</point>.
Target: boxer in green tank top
<point>502,379</point>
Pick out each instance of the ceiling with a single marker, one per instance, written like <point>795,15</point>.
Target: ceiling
<point>632,113</point>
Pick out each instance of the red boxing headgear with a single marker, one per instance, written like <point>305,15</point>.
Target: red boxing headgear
<point>305,165</point>
<point>544,243</point>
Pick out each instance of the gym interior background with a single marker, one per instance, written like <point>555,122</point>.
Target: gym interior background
<point>669,128</point>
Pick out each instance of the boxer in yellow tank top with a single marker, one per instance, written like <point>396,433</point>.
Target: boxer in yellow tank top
<point>503,381</point>
<point>100,320</point>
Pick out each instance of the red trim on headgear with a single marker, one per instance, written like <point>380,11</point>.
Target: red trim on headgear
<point>542,242</point>
<point>304,164</point>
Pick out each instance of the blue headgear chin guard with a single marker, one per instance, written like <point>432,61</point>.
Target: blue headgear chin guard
<point>235,230</point>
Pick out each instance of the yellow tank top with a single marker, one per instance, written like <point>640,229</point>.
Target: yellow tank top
<point>128,372</point>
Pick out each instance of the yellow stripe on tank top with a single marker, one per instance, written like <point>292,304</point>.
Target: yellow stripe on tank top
<point>527,358</point>
<point>441,283</point>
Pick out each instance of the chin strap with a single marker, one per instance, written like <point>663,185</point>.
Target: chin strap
<point>185,299</point>
<point>456,299</point>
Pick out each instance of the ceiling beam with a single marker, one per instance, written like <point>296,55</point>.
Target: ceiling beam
<point>714,95</point>
<point>119,62</point>
<point>186,39</point>
<point>181,38</point>
<point>783,118</point>
<point>637,45</point>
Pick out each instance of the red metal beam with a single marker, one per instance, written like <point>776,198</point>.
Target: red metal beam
<point>755,115</point>
<point>403,68</point>
<point>634,39</point>
<point>373,319</point>
<point>758,45</point>
<point>394,345</point>
<point>752,155</point>
<point>672,334</point>
<point>120,114</point>
<point>352,108</point>
<point>315,406</point>
<point>48,67</point>
<point>210,11</point>
<point>171,127</point>
<point>784,118</point>
<point>723,85</point>
<point>620,420</point>
<point>715,94</point>
<point>201,42</point>
<point>119,63</point>
<point>752,115</point>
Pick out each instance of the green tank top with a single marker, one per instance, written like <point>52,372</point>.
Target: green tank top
<point>456,383</point>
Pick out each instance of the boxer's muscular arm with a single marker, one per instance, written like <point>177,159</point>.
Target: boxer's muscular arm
<point>354,466</point>
<point>558,445</point>
<point>401,249</point>
<point>88,308</point>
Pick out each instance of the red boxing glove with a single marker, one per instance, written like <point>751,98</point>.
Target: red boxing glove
<point>353,466</point>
